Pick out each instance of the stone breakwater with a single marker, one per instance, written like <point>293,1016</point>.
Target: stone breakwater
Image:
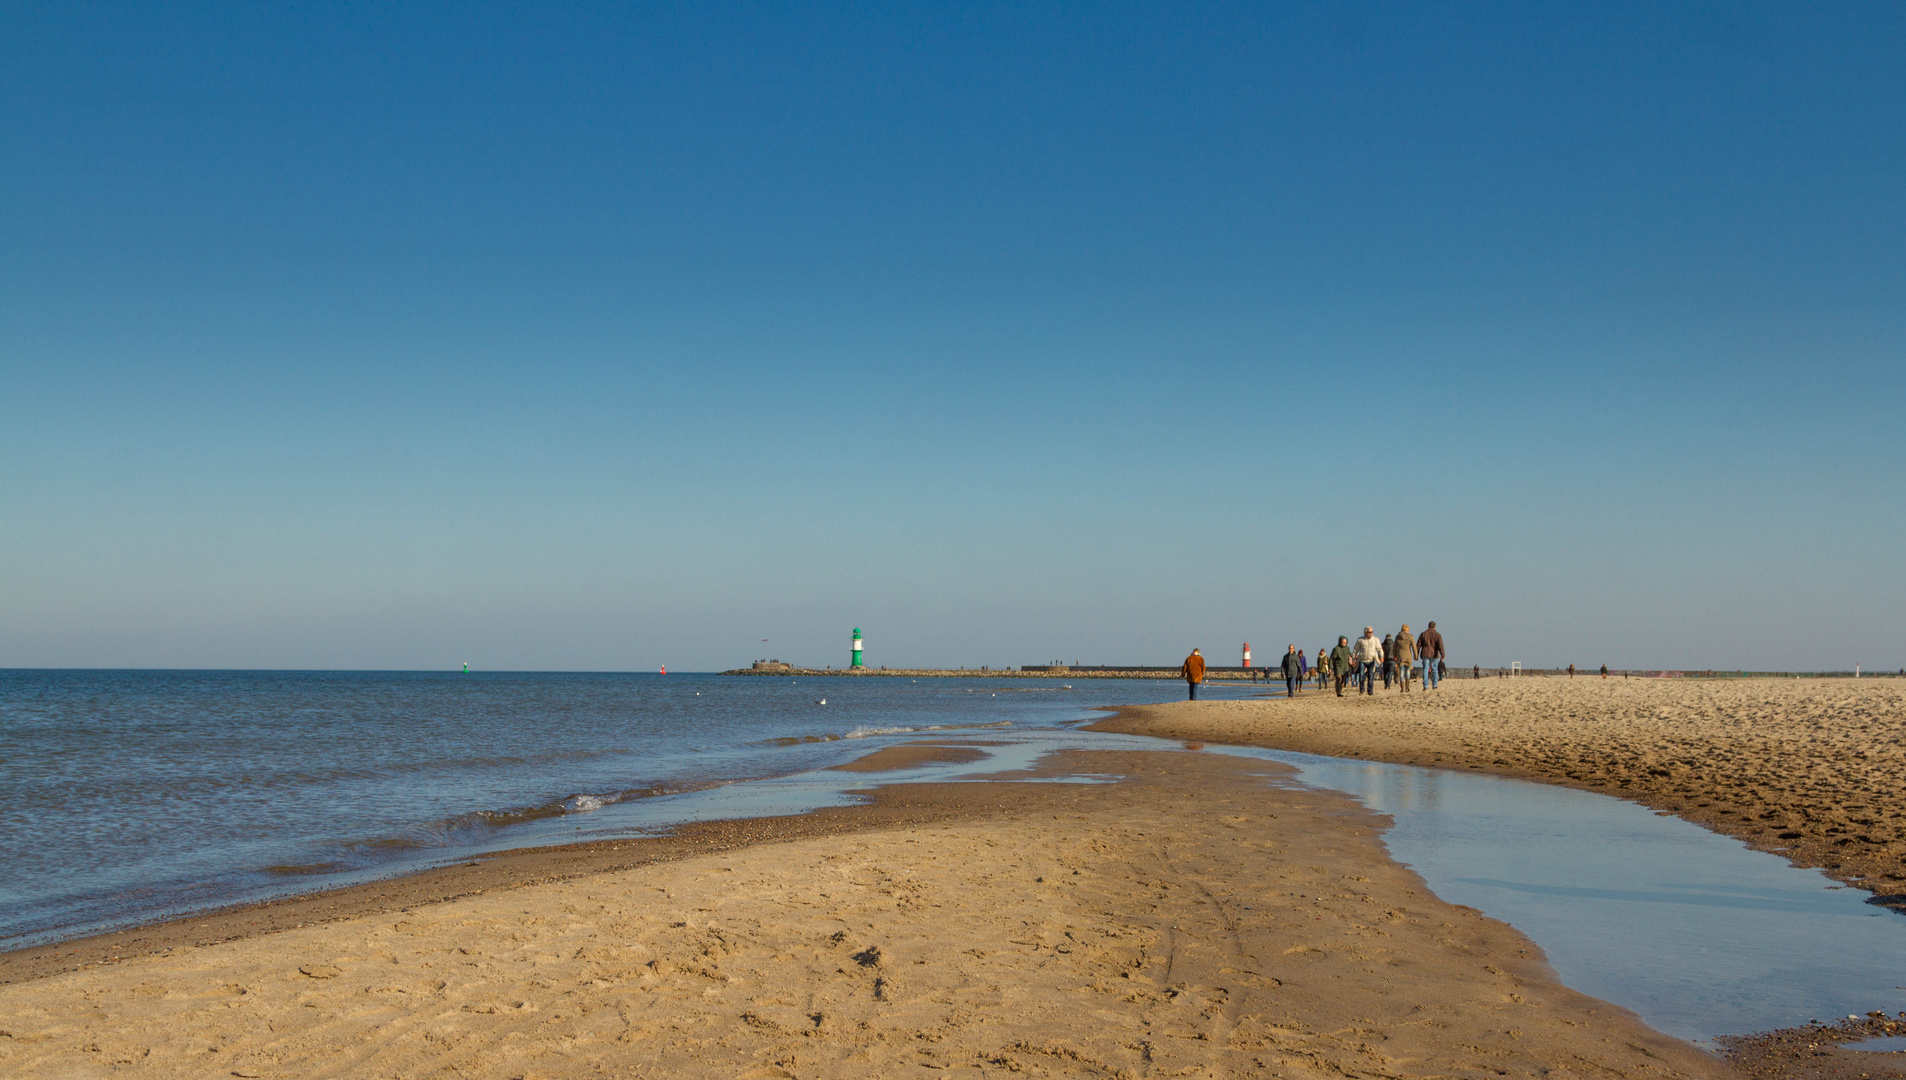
<point>1221,674</point>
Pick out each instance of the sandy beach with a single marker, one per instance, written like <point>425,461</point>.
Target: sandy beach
<point>1197,917</point>
<point>1193,919</point>
<point>1814,769</point>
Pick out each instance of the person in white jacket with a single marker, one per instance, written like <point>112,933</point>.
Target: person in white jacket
<point>1370,652</point>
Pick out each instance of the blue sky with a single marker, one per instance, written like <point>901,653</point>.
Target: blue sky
<point>603,337</point>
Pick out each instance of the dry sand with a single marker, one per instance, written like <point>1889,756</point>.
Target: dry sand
<point>1812,768</point>
<point>1190,920</point>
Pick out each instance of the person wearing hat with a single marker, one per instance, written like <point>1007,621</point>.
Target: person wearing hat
<point>1403,651</point>
<point>1370,656</point>
<point>1193,672</point>
<point>1339,665</point>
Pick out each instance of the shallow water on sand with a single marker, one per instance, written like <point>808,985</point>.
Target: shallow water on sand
<point>1695,931</point>
<point>127,796</point>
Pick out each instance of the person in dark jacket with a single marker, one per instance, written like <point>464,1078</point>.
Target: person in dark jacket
<point>1340,663</point>
<point>1293,671</point>
<point>1389,659</point>
<point>1193,672</point>
<point>1430,645</point>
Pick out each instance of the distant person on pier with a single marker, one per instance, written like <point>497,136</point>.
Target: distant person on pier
<point>1430,645</point>
<point>1403,654</point>
<point>1370,658</point>
<point>1340,661</point>
<point>1193,672</point>
<point>1293,671</point>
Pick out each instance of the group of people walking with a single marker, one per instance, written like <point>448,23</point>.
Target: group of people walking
<point>1397,659</point>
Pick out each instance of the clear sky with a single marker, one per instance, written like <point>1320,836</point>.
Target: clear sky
<point>612,336</point>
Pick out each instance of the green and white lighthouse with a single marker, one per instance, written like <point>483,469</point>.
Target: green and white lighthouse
<point>857,664</point>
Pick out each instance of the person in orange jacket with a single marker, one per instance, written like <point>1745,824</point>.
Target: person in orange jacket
<point>1193,672</point>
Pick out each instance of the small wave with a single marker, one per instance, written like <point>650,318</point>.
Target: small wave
<point>867,732</point>
<point>797,740</point>
<point>480,826</point>
<point>310,868</point>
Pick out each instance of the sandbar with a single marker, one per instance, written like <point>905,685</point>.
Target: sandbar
<point>1813,769</point>
<point>1198,917</point>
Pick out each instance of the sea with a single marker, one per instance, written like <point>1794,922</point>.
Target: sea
<point>132,796</point>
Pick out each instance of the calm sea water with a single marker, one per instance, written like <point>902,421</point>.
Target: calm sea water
<point>130,795</point>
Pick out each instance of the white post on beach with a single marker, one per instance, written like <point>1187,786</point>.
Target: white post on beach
<point>1515,667</point>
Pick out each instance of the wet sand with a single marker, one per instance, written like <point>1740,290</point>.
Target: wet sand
<point>1189,920</point>
<point>911,756</point>
<point>1814,769</point>
<point>898,807</point>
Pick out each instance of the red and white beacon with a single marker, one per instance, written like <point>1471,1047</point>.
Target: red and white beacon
<point>1247,654</point>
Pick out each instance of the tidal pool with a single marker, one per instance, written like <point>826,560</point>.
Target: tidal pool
<point>1696,932</point>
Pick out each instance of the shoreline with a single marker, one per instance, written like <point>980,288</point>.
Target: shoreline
<point>1269,675</point>
<point>1814,772</point>
<point>1176,720</point>
<point>512,868</point>
<point>907,811</point>
<point>1189,917</point>
<point>1229,675</point>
